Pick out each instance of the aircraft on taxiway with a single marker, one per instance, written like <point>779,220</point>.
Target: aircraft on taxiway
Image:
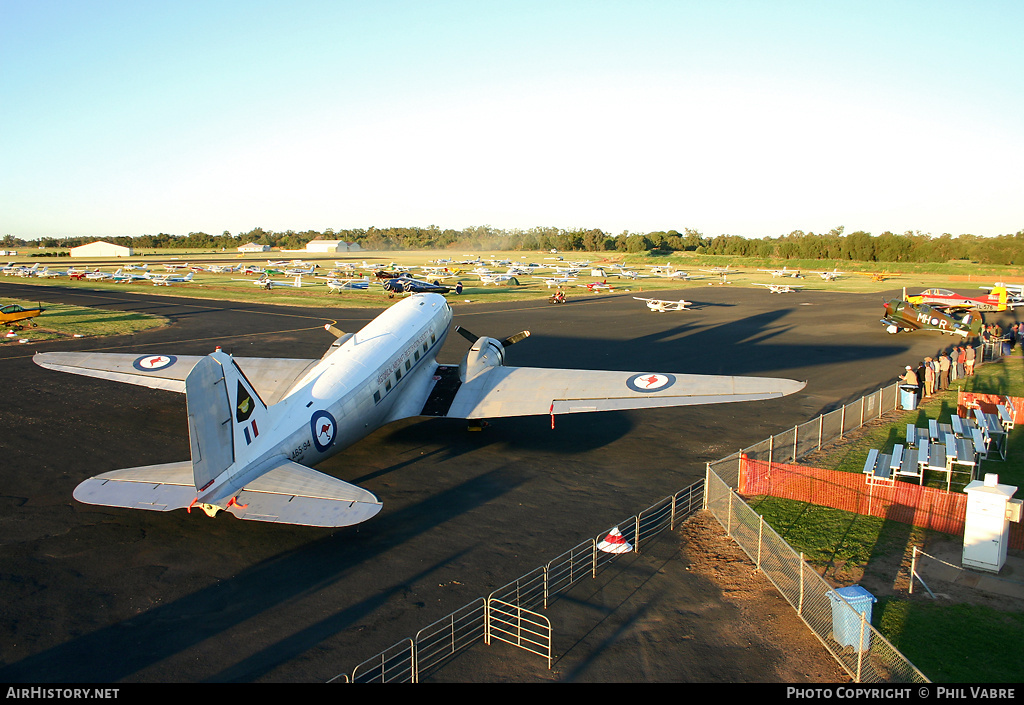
<point>254,434</point>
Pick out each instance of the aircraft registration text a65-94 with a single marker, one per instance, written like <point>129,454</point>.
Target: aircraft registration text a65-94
<point>650,382</point>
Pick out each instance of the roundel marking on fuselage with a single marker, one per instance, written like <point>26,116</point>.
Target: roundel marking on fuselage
<point>324,429</point>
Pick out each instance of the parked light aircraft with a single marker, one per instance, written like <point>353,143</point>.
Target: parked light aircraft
<point>255,434</point>
<point>265,282</point>
<point>784,272</point>
<point>17,315</point>
<point>408,285</point>
<point>997,300</point>
<point>168,279</point>
<point>722,272</point>
<point>830,276</point>
<point>782,288</point>
<point>338,285</point>
<point>556,281</point>
<point>662,306</point>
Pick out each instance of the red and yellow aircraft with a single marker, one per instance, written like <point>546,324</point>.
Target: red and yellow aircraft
<point>998,300</point>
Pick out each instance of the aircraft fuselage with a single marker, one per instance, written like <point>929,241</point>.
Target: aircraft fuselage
<point>383,372</point>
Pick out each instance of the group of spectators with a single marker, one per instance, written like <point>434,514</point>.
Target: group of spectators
<point>933,375</point>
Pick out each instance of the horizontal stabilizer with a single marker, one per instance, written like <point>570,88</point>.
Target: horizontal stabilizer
<point>295,494</point>
<point>524,391</point>
<point>160,488</point>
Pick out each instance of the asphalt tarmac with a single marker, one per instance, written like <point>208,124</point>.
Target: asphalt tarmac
<point>94,594</point>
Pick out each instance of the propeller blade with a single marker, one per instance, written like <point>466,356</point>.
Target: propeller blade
<point>513,339</point>
<point>465,334</point>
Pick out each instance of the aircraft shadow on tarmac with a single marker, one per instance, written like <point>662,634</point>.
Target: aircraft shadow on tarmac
<point>118,651</point>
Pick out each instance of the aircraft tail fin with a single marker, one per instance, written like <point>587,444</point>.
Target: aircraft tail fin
<point>225,416</point>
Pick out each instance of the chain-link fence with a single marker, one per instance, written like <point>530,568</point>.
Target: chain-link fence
<point>845,631</point>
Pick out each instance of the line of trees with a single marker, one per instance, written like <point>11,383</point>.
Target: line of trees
<point>833,245</point>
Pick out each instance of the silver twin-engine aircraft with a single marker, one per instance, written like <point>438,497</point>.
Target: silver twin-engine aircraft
<point>255,434</point>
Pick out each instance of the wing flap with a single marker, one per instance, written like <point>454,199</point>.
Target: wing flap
<point>291,493</point>
<point>525,391</point>
<point>160,488</point>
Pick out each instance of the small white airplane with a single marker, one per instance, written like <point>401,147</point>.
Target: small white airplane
<point>265,282</point>
<point>338,285</point>
<point>662,306</point>
<point>168,279</point>
<point>301,271</point>
<point>556,281</point>
<point>174,266</point>
<point>830,276</point>
<point>781,288</point>
<point>97,275</point>
<point>28,271</point>
<point>47,273</point>
<point>254,435</point>
<point>123,277</point>
<point>784,272</point>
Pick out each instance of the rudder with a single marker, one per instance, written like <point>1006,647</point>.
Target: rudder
<point>225,417</point>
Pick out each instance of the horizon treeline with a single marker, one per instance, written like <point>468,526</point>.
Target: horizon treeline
<point>797,245</point>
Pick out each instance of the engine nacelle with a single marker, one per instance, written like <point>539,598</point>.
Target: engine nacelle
<point>485,353</point>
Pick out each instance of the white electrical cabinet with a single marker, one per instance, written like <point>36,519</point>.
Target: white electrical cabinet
<point>990,508</point>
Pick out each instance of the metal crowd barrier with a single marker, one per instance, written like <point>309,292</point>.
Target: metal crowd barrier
<point>510,613</point>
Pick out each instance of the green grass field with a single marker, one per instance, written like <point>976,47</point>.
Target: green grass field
<point>64,321</point>
<point>960,276</point>
<point>842,544</point>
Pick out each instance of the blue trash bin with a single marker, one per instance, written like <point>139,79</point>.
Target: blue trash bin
<point>908,397</point>
<point>846,622</point>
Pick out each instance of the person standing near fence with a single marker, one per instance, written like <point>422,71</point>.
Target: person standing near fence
<point>969,360</point>
<point>943,371</point>
<point>961,359</point>
<point>929,377</point>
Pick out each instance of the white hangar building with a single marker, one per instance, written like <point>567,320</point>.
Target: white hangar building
<point>101,249</point>
<point>253,247</point>
<point>332,246</point>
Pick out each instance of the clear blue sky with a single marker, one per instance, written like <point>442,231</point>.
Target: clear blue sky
<point>748,118</point>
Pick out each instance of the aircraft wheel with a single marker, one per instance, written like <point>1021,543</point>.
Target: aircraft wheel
<point>210,509</point>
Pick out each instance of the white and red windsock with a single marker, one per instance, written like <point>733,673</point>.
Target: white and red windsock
<point>614,543</point>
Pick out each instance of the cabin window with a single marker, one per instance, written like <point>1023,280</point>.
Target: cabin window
<point>376,397</point>
<point>424,347</point>
<point>432,339</point>
<point>387,386</point>
<point>408,364</point>
<point>398,375</point>
<point>417,356</point>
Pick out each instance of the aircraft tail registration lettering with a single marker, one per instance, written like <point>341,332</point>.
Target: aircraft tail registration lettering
<point>256,425</point>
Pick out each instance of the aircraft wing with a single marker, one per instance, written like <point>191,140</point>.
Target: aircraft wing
<point>271,376</point>
<point>524,391</point>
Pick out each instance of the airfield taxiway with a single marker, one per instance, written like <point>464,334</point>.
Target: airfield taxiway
<point>94,594</point>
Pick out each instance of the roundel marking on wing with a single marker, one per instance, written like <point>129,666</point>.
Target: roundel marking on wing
<point>152,363</point>
<point>324,429</point>
<point>650,382</point>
